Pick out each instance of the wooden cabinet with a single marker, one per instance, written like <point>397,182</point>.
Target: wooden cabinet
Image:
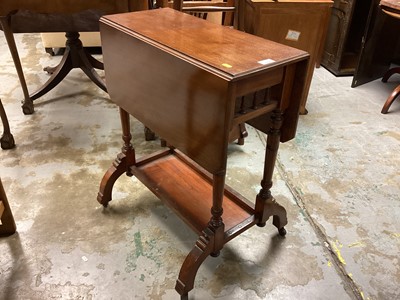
<point>378,46</point>
<point>361,41</point>
<point>344,39</point>
<point>297,23</point>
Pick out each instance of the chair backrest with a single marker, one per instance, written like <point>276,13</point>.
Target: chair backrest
<point>225,10</point>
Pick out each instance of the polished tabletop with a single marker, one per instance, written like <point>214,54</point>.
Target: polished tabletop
<point>225,50</point>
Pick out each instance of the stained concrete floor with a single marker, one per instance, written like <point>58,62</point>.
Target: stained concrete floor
<point>338,180</point>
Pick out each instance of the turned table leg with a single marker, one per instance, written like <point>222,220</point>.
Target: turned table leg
<point>266,206</point>
<point>121,165</point>
<point>209,243</point>
<point>202,249</point>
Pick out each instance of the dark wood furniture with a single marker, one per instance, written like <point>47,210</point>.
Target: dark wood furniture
<point>379,42</point>
<point>395,93</point>
<point>344,39</point>
<point>361,40</point>
<point>297,23</point>
<point>7,139</point>
<point>221,12</point>
<point>392,8</point>
<point>203,90</point>
<point>70,16</point>
<point>7,224</point>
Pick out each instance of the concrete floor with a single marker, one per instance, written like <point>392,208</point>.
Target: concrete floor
<point>338,180</point>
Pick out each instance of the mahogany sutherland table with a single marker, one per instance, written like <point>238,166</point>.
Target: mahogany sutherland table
<point>191,82</point>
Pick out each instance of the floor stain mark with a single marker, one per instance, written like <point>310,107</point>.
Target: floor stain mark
<point>138,244</point>
<point>350,285</point>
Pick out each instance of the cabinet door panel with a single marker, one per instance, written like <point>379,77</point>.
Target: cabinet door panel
<point>378,48</point>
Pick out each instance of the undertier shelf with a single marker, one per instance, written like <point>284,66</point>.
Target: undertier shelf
<point>187,189</point>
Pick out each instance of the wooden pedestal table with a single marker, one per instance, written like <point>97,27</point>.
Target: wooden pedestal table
<point>70,16</point>
<point>192,81</point>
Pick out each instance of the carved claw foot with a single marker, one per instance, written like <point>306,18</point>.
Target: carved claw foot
<point>282,231</point>
<point>195,258</point>
<point>27,107</point>
<point>118,168</point>
<point>7,141</point>
<point>215,254</point>
<point>270,208</point>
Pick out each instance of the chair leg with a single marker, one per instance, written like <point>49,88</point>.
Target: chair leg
<point>391,99</point>
<point>7,139</point>
<point>27,104</point>
<point>7,226</point>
